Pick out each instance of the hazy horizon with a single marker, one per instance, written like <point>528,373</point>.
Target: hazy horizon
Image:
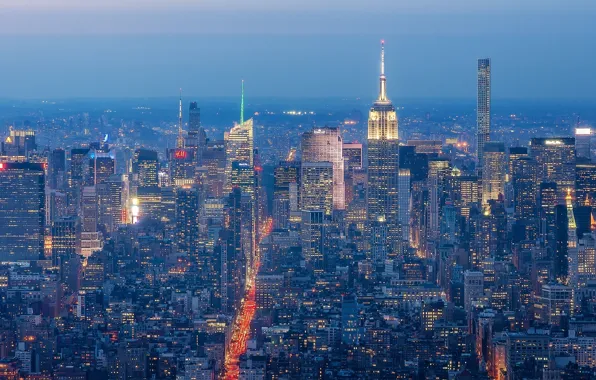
<point>132,48</point>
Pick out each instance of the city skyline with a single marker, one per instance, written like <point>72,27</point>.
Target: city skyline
<point>358,234</point>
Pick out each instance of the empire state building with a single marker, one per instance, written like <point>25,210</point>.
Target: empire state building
<point>383,168</point>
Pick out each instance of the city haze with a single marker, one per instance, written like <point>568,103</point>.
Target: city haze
<point>63,49</point>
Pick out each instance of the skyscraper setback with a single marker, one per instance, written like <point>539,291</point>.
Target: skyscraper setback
<point>483,107</point>
<point>383,160</point>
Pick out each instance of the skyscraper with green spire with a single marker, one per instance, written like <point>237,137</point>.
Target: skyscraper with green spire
<point>239,144</point>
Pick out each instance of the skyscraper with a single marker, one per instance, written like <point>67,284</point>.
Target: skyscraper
<point>548,201</point>
<point>438,171</point>
<point>353,163</point>
<point>555,162</point>
<point>571,235</point>
<point>78,172</point>
<point>196,134</point>
<point>583,142</point>
<point>113,201</point>
<point>101,166</point>
<point>65,232</point>
<point>214,161</point>
<point>483,108</point>
<point>233,262</point>
<point>243,177</point>
<point>493,171</point>
<point>404,204</point>
<point>22,211</point>
<point>325,145</point>
<point>285,174</point>
<point>585,183</point>
<point>239,144</point>
<point>312,235</point>
<point>182,160</point>
<point>522,173</point>
<point>316,192</point>
<point>90,238</point>
<point>187,220</point>
<point>352,153</point>
<point>18,145</point>
<point>145,167</point>
<point>383,161</point>
<point>57,169</point>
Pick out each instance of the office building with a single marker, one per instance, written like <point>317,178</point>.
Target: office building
<point>583,142</point>
<point>78,173</point>
<point>196,138</point>
<point>285,174</point>
<point>243,177</point>
<point>18,145</point>
<point>188,206</point>
<point>548,201</point>
<point>65,244</point>
<point>316,191</point>
<point>554,304</point>
<point>473,288</point>
<point>312,235</point>
<point>493,171</point>
<point>90,237</point>
<point>214,160</point>
<point>145,168</point>
<point>22,211</point>
<point>555,162</point>
<point>353,159</point>
<point>523,171</point>
<point>182,166</point>
<point>325,145</point>
<point>56,206</point>
<point>233,262</point>
<point>585,183</point>
<point>57,169</point>
<point>350,320</point>
<point>438,173</point>
<point>404,204</point>
<point>101,166</point>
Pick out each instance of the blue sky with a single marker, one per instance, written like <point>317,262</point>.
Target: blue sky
<point>73,48</point>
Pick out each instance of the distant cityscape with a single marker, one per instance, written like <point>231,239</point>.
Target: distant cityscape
<point>280,239</point>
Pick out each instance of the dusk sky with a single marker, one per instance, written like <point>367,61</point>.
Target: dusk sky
<point>147,48</point>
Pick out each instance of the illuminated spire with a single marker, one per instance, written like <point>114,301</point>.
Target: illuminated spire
<point>242,105</point>
<point>180,139</point>
<point>383,80</point>
<point>382,58</point>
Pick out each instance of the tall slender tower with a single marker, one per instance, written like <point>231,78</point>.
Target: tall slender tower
<point>483,108</point>
<point>180,138</point>
<point>383,162</point>
<point>182,165</point>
